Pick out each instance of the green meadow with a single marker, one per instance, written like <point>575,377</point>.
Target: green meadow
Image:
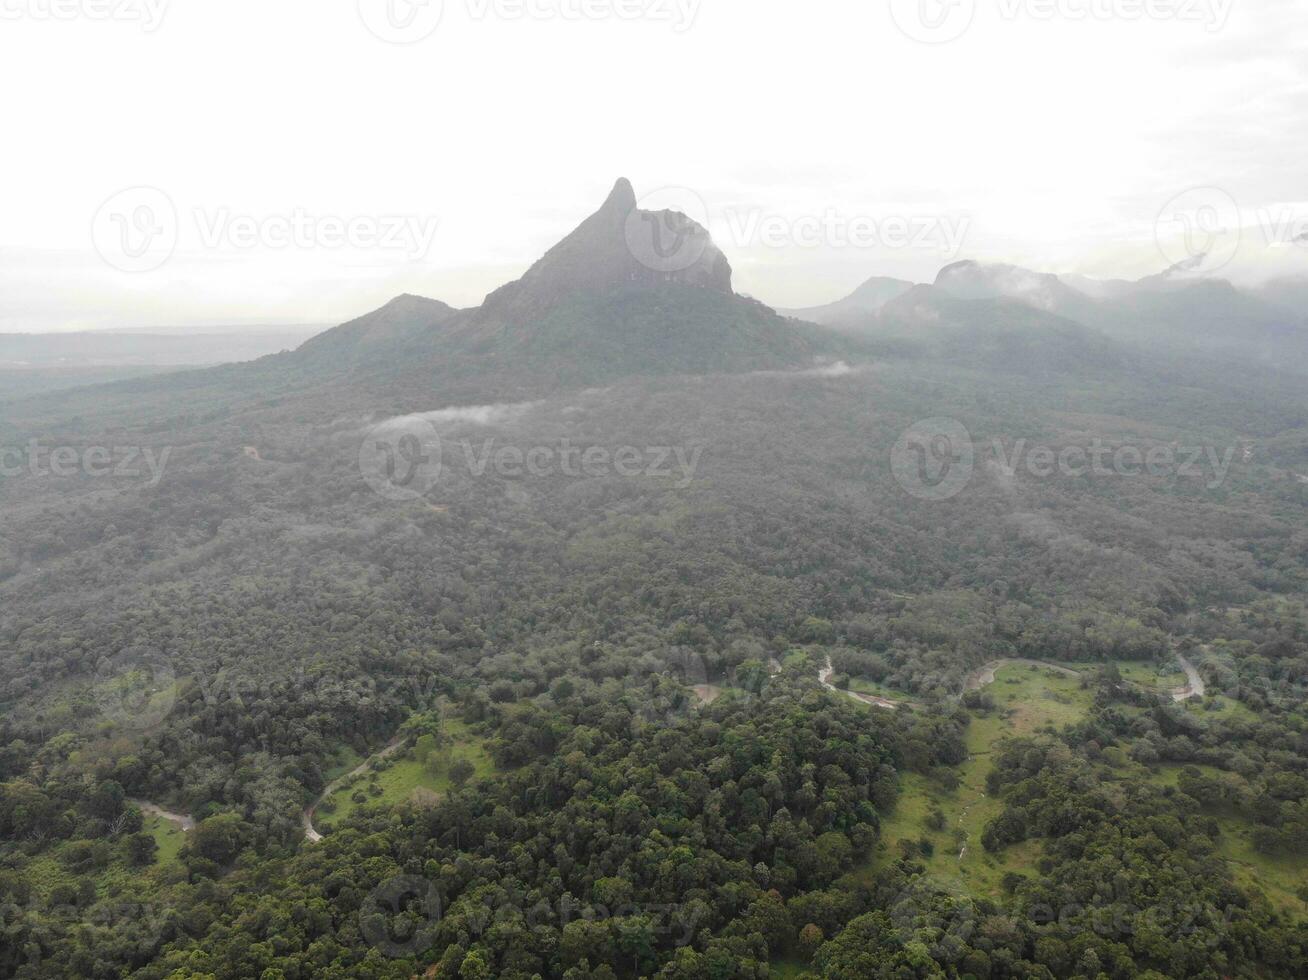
<point>1280,879</point>
<point>168,835</point>
<point>403,776</point>
<point>1027,700</point>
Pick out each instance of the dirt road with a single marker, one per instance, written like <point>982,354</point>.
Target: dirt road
<point>307,817</point>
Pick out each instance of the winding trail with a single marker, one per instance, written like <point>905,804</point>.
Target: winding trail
<point>982,676</point>
<point>311,835</point>
<point>1195,686</point>
<point>824,678</point>
<point>979,678</point>
<point>967,838</point>
<point>183,820</point>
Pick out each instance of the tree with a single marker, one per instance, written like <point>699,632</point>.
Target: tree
<point>220,838</point>
<point>810,938</point>
<point>424,747</point>
<point>461,770</point>
<point>475,967</point>
<point>141,849</point>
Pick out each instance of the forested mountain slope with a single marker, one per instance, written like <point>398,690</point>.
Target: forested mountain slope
<point>660,513</point>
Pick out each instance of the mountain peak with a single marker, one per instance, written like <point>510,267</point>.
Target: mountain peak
<point>622,198</point>
<point>617,247</point>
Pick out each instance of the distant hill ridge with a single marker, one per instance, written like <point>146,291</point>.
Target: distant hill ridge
<point>1167,313</point>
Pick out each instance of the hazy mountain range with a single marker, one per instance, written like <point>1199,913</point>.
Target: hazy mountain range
<point>1162,312</point>
<point>630,292</point>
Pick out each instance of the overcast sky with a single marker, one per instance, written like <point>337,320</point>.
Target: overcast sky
<point>826,141</point>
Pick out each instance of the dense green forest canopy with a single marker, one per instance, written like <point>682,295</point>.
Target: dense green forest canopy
<point>637,771</point>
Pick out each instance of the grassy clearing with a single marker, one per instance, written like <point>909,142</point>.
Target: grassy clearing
<point>1162,678</point>
<point>861,685</point>
<point>1151,675</point>
<point>796,658</point>
<point>1278,878</point>
<point>167,835</point>
<point>1027,700</point>
<point>344,760</point>
<point>1222,708</point>
<point>49,870</point>
<point>403,777</point>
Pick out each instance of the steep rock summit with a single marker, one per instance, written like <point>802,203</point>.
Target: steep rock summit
<point>619,246</point>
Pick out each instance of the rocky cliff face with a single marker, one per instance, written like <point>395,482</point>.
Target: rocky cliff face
<point>618,246</point>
